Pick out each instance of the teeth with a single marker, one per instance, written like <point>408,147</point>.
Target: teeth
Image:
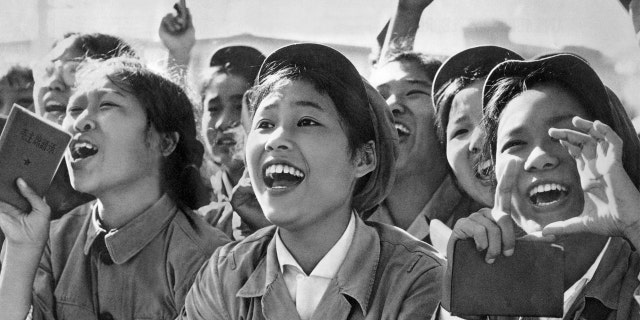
<point>86,145</point>
<point>283,168</point>
<point>484,165</point>
<point>402,128</point>
<point>547,187</point>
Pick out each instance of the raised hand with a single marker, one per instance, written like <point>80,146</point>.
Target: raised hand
<point>492,229</point>
<point>414,4</point>
<point>245,203</point>
<point>26,229</point>
<point>612,203</point>
<point>177,32</point>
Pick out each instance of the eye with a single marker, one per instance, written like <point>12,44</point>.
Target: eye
<point>459,132</point>
<point>73,110</point>
<point>264,124</point>
<point>108,105</point>
<point>305,122</point>
<point>416,93</point>
<point>512,144</point>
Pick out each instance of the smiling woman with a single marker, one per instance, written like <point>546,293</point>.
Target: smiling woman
<point>321,150</point>
<point>134,148</point>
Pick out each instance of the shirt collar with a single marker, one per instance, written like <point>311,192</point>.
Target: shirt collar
<point>355,276</point>
<point>607,281</point>
<point>126,242</point>
<point>330,263</point>
<point>439,207</point>
<point>571,294</point>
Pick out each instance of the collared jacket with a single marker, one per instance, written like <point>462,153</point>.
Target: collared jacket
<point>447,204</point>
<point>387,274</point>
<point>140,271</point>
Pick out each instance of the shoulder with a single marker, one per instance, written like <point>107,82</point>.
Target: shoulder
<point>245,254</point>
<point>191,230</point>
<point>396,243</point>
<point>70,224</point>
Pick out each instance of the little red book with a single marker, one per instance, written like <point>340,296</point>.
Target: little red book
<point>31,148</point>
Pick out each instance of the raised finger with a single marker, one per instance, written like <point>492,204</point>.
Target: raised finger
<point>506,176</point>
<point>584,141</point>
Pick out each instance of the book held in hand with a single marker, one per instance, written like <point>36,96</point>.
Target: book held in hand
<point>530,283</point>
<point>30,148</point>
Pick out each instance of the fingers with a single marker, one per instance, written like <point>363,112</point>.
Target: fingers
<point>490,233</point>
<point>584,143</point>
<point>36,202</point>
<point>507,176</point>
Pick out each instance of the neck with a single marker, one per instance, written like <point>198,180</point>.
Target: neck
<point>117,207</point>
<point>581,251</point>
<point>410,194</point>
<point>308,247</point>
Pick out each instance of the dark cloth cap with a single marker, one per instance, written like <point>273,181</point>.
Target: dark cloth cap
<point>465,62</point>
<point>315,56</point>
<point>244,60</point>
<point>572,70</point>
<point>576,73</point>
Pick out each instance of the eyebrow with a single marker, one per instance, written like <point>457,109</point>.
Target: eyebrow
<point>417,81</point>
<point>301,103</point>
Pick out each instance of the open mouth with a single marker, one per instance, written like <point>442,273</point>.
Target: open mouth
<point>282,176</point>
<point>226,141</point>
<point>82,150</point>
<point>483,170</point>
<point>403,131</point>
<point>547,194</point>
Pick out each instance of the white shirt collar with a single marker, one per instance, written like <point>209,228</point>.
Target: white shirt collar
<point>330,263</point>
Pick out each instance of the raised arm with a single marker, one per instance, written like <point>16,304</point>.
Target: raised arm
<point>26,237</point>
<point>179,37</point>
<point>404,25</point>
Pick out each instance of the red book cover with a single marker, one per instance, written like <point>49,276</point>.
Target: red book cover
<point>30,148</point>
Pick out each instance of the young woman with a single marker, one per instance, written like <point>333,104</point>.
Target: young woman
<point>134,252</point>
<point>232,72</point>
<point>457,99</point>
<point>54,83</point>
<point>556,140</point>
<point>320,151</point>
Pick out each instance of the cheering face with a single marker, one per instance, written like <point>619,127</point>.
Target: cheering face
<point>112,148</point>
<point>298,157</point>
<point>464,144</point>
<point>54,79</point>
<point>547,188</point>
<point>407,91</point>
<point>221,119</point>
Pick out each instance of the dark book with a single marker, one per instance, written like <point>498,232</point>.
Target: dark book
<point>30,148</point>
<point>530,283</point>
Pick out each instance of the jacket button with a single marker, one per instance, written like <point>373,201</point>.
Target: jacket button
<point>105,316</point>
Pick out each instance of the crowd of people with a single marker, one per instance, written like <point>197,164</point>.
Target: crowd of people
<point>333,196</point>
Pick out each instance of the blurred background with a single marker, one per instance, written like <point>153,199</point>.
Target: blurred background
<point>599,30</point>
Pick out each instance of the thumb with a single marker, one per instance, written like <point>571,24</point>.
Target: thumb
<point>36,202</point>
<point>569,226</point>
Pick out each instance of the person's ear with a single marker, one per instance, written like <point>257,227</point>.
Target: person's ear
<point>366,159</point>
<point>168,142</point>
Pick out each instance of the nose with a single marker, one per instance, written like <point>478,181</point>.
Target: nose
<point>540,159</point>
<point>476,140</point>
<point>84,122</point>
<point>278,140</point>
<point>395,104</point>
<point>227,120</point>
